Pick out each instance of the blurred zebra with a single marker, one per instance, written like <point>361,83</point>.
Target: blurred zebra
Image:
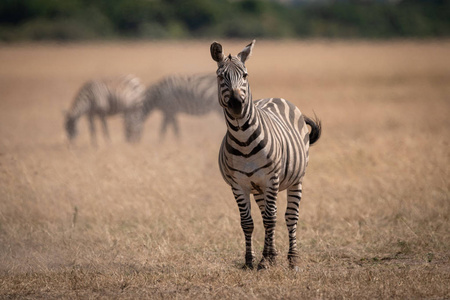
<point>121,95</point>
<point>264,151</point>
<point>191,94</point>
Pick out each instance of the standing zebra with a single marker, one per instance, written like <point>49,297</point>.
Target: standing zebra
<point>264,151</point>
<point>190,94</point>
<point>107,97</point>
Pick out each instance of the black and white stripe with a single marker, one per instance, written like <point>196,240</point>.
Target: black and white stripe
<point>102,98</point>
<point>190,94</point>
<point>265,150</point>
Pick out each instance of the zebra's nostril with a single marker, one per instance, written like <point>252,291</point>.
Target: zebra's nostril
<point>235,105</point>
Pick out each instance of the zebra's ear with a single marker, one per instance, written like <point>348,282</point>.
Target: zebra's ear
<point>216,52</point>
<point>246,52</point>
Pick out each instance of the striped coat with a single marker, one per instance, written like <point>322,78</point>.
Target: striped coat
<point>265,151</point>
<point>190,94</point>
<point>102,98</point>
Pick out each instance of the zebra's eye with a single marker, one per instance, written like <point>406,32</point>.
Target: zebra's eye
<point>220,76</point>
<point>245,75</point>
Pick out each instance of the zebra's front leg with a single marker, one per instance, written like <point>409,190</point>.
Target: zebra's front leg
<point>269,215</point>
<point>294,195</point>
<point>176,129</point>
<point>105,128</point>
<point>167,120</point>
<point>243,202</point>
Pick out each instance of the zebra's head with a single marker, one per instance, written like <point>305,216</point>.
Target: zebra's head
<point>232,78</point>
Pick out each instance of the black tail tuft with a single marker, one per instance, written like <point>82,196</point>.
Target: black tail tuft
<point>316,129</point>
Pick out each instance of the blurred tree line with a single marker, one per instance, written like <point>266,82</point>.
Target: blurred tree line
<point>160,19</point>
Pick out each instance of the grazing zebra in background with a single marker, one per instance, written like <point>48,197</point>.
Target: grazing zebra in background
<point>190,94</point>
<point>102,98</point>
<point>264,151</point>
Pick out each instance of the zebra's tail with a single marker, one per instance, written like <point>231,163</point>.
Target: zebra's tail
<point>316,129</point>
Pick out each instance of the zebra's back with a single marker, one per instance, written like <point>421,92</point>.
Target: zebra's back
<point>190,94</point>
<point>109,96</point>
<point>294,138</point>
<point>123,93</point>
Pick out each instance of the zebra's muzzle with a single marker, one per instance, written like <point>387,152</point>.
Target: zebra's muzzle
<point>235,106</point>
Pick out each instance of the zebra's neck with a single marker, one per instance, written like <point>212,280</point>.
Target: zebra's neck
<point>238,127</point>
<point>80,107</point>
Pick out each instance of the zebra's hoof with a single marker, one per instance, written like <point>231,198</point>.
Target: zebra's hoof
<point>293,262</point>
<point>296,269</point>
<point>247,266</point>
<point>263,266</point>
<point>266,263</point>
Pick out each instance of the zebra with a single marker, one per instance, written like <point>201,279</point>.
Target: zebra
<point>265,150</point>
<point>104,97</point>
<point>191,94</point>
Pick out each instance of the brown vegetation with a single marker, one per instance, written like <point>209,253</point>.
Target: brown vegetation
<point>156,220</point>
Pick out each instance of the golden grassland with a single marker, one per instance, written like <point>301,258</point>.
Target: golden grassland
<point>156,220</point>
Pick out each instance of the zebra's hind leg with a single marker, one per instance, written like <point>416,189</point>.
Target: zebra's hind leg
<point>167,119</point>
<point>294,195</point>
<point>92,130</point>
<point>243,202</point>
<point>269,215</point>
<point>176,128</point>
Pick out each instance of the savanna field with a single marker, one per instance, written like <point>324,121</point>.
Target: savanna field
<point>156,220</point>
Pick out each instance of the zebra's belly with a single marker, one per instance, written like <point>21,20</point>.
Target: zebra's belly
<point>108,108</point>
<point>292,173</point>
<point>255,184</point>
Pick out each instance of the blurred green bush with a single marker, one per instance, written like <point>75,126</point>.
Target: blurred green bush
<point>158,19</point>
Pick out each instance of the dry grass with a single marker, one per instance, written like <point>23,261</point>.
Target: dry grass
<point>156,220</point>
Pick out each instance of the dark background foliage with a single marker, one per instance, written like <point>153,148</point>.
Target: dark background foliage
<point>158,19</point>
